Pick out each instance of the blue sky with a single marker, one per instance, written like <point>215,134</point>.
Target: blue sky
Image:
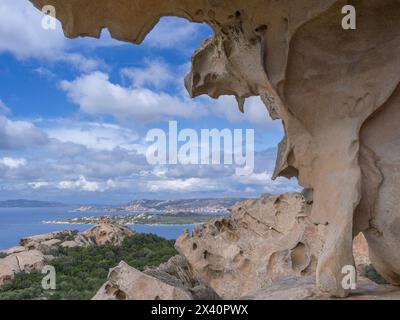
<point>74,115</point>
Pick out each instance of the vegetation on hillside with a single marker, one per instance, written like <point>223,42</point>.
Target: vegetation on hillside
<point>371,273</point>
<point>82,271</point>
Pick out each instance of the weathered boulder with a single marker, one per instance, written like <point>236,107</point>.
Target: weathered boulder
<point>260,242</point>
<point>47,240</point>
<point>8,268</point>
<point>25,261</point>
<point>34,251</point>
<point>361,253</point>
<point>178,272</point>
<point>127,283</point>
<point>12,250</point>
<point>106,233</point>
<point>103,233</point>
<point>172,280</point>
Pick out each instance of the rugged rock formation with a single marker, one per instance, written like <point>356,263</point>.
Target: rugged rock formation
<point>26,261</point>
<point>170,281</point>
<point>108,233</point>
<point>303,288</point>
<point>335,90</point>
<point>35,251</point>
<point>125,282</point>
<point>101,234</point>
<point>46,242</point>
<point>361,253</point>
<point>260,242</point>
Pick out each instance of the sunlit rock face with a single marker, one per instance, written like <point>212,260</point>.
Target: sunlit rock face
<point>335,90</point>
<point>261,241</point>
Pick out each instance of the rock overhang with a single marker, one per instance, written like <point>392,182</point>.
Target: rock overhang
<point>324,82</point>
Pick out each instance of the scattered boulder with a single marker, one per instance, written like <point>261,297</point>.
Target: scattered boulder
<point>177,272</point>
<point>70,244</point>
<point>25,261</point>
<point>34,251</point>
<point>361,253</point>
<point>108,233</point>
<point>13,250</point>
<point>127,283</point>
<point>172,280</point>
<point>48,239</point>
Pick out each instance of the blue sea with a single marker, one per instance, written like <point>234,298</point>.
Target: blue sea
<point>17,223</point>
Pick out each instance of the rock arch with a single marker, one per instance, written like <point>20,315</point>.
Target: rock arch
<point>336,92</point>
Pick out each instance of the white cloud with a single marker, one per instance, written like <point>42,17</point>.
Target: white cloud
<point>38,185</point>
<point>95,94</point>
<point>19,134</point>
<point>21,31</point>
<point>44,72</point>
<point>255,112</point>
<point>183,185</point>
<point>155,73</point>
<point>3,108</point>
<point>85,185</point>
<point>13,163</point>
<point>98,136</point>
<point>22,34</point>
<point>255,178</point>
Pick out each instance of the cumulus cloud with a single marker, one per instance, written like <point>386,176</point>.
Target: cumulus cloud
<point>82,184</point>
<point>13,163</point>
<point>99,136</point>
<point>22,34</point>
<point>154,73</point>
<point>255,112</point>
<point>19,134</point>
<point>96,94</point>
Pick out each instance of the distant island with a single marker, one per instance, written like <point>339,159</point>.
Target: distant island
<point>22,203</point>
<point>162,212</point>
<point>200,206</point>
<point>179,218</point>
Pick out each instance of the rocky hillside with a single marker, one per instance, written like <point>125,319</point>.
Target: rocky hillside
<point>36,251</point>
<point>265,248</point>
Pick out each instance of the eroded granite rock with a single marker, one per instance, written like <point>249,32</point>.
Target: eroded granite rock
<point>35,251</point>
<point>107,233</point>
<point>260,242</point>
<point>303,288</point>
<point>25,261</point>
<point>336,91</point>
<point>127,283</point>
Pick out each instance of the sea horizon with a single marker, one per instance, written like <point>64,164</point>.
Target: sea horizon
<point>19,223</point>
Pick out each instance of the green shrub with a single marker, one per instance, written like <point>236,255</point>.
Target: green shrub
<point>82,271</point>
<point>373,275</point>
